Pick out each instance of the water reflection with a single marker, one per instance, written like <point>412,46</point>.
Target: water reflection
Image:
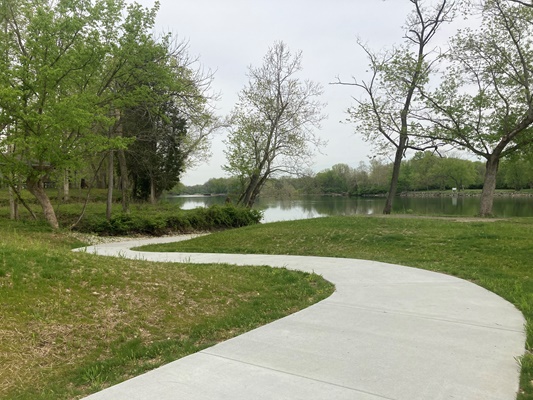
<point>313,207</point>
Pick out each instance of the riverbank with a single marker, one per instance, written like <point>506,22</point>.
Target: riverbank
<point>467,193</point>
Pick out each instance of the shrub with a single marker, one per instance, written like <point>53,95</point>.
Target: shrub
<point>165,221</point>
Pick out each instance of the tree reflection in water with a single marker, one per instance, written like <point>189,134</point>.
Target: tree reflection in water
<point>320,206</point>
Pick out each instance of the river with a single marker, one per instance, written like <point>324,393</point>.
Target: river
<point>319,206</point>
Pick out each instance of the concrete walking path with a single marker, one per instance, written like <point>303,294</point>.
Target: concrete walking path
<point>388,332</point>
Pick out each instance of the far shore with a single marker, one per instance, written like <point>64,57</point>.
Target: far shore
<point>466,193</point>
<point>430,193</point>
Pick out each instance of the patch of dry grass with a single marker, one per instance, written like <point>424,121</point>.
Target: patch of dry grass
<point>74,323</point>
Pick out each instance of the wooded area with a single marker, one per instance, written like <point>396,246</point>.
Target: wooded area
<point>88,94</point>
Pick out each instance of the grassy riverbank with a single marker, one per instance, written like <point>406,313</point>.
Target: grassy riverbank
<point>74,323</point>
<point>495,254</point>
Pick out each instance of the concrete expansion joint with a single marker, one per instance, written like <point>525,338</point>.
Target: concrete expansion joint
<point>206,352</point>
<point>392,311</point>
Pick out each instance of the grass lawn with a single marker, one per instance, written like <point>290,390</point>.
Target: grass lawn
<point>74,323</point>
<point>495,254</point>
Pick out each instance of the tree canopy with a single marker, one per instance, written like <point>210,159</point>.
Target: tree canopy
<point>73,71</point>
<point>387,112</point>
<point>273,123</point>
<point>485,101</point>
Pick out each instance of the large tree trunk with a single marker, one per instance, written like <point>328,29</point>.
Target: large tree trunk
<point>247,197</point>
<point>489,186</point>
<point>393,188</point>
<point>36,187</point>
<point>256,191</point>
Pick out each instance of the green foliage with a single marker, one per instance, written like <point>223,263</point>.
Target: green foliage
<point>58,83</point>
<point>83,77</point>
<point>484,101</point>
<point>155,160</point>
<point>427,171</point>
<point>171,105</point>
<point>229,186</point>
<point>341,178</point>
<point>59,80</point>
<point>516,172</point>
<point>163,221</point>
<point>272,123</point>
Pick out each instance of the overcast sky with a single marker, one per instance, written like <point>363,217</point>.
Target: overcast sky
<point>230,35</point>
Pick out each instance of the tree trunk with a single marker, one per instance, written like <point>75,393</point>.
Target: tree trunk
<point>110,176</point>
<point>489,186</point>
<point>256,191</point>
<point>20,200</point>
<point>123,166</point>
<point>36,188</point>
<point>153,198</point>
<point>247,198</point>
<point>393,188</point>
<point>66,186</point>
<point>13,205</point>
<point>124,181</point>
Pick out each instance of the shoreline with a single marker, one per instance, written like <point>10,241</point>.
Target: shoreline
<point>463,194</point>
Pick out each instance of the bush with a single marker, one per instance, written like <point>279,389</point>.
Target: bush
<point>170,221</point>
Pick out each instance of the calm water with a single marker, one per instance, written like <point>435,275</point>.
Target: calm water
<point>315,206</point>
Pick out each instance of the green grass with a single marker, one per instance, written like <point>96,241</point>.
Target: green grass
<point>495,254</point>
<point>74,323</point>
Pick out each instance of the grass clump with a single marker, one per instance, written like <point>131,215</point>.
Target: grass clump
<point>75,323</point>
<point>495,254</point>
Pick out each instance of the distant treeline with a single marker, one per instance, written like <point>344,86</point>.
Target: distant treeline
<point>425,171</point>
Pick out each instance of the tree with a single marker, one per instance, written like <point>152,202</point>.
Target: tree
<point>155,160</point>
<point>272,124</point>
<point>56,98</point>
<point>453,172</point>
<point>422,177</point>
<point>173,120</point>
<point>166,106</point>
<point>517,171</point>
<point>340,178</point>
<point>524,3</point>
<point>378,176</point>
<point>485,101</point>
<point>431,171</point>
<point>388,112</point>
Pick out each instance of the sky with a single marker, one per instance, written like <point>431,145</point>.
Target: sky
<point>230,35</point>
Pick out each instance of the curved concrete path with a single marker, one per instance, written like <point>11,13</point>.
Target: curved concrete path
<point>388,332</point>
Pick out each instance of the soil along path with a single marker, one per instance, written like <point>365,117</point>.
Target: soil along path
<point>388,332</point>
